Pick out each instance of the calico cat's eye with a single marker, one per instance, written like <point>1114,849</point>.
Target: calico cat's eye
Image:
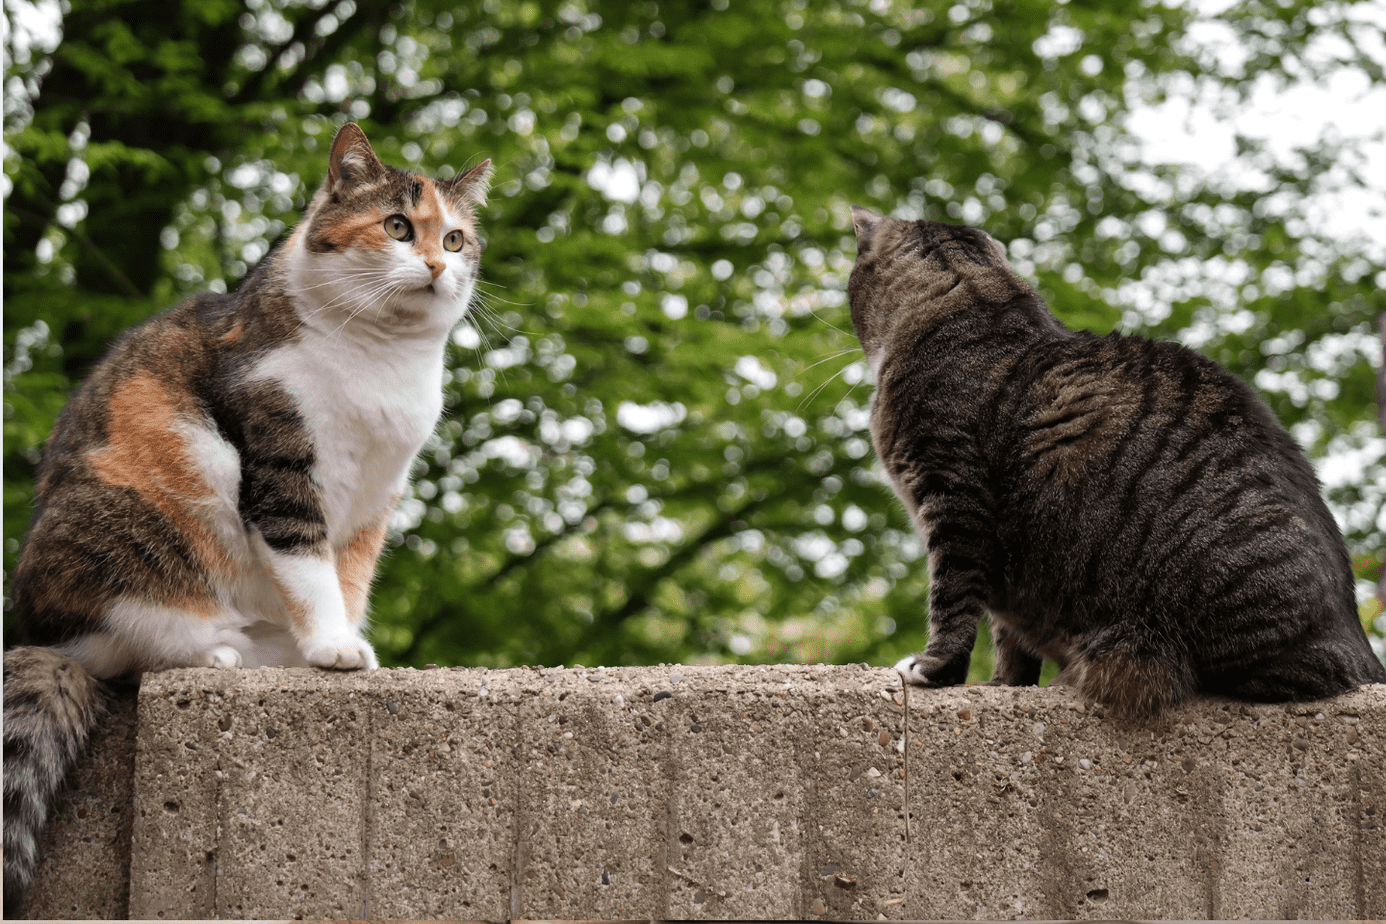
<point>399,228</point>
<point>453,241</point>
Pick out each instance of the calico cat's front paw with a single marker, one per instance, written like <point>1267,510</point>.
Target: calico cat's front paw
<point>927,671</point>
<point>345,653</point>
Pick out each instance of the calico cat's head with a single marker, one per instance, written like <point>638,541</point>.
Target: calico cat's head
<point>920,268</point>
<point>384,246</point>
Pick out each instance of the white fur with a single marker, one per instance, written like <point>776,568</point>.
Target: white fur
<point>367,370</point>
<point>145,636</point>
<point>910,670</point>
<point>220,466</point>
<point>366,375</point>
<point>328,639</point>
<point>873,361</point>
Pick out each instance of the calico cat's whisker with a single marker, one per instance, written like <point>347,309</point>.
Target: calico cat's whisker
<point>368,275</point>
<point>485,314</point>
<point>494,296</point>
<point>373,300</point>
<point>493,318</point>
<point>372,288</point>
<point>490,316</point>
<point>376,299</point>
<point>366,291</point>
<point>487,299</point>
<point>336,279</point>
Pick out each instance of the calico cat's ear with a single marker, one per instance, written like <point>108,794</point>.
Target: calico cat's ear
<point>864,222</point>
<point>472,185</point>
<point>352,159</point>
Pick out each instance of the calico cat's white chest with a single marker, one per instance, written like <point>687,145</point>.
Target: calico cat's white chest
<point>368,407</point>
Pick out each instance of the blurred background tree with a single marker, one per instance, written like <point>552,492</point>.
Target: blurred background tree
<point>656,446</point>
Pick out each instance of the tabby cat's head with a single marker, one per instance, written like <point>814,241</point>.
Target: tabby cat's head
<point>922,269</point>
<point>384,246</point>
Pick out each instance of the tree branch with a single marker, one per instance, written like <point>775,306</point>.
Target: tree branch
<point>118,278</point>
<point>643,585</point>
<point>443,614</point>
<point>303,31</point>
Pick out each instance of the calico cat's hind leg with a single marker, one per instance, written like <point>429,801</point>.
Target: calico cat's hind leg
<point>222,656</point>
<point>138,635</point>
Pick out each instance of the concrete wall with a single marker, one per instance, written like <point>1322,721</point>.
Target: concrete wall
<point>712,792</point>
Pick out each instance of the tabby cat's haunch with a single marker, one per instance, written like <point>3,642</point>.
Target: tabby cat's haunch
<point>217,491</point>
<point>1124,507</point>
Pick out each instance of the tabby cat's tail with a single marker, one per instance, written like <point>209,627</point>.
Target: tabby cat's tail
<point>51,706</point>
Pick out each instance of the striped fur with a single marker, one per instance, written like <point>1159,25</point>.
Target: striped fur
<point>216,492</point>
<point>51,707</point>
<point>1124,507</point>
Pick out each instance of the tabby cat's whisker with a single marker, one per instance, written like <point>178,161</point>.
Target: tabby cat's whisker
<point>830,324</point>
<point>826,359</point>
<point>843,400</point>
<point>813,394</point>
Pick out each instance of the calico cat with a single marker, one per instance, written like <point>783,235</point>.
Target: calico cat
<point>216,492</point>
<point>1124,507</point>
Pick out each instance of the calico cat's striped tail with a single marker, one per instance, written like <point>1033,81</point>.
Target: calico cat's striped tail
<point>51,706</point>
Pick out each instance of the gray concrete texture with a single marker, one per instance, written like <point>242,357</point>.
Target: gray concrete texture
<point>744,792</point>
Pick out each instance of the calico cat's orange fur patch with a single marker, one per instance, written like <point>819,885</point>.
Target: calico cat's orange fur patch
<point>362,232</point>
<point>145,451</point>
<point>427,216</point>
<point>236,332</point>
<point>356,566</point>
<point>296,608</point>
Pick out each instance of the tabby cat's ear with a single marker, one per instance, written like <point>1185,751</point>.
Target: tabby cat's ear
<point>864,222</point>
<point>352,159</point>
<point>472,185</point>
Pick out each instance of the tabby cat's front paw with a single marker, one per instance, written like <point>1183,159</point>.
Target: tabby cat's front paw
<point>347,653</point>
<point>927,671</point>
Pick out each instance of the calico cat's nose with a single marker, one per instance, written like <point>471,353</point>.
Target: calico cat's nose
<point>435,267</point>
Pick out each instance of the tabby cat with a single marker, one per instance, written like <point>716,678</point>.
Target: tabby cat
<point>1123,507</point>
<point>216,493</point>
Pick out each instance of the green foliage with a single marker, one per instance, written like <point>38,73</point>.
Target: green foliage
<point>656,443</point>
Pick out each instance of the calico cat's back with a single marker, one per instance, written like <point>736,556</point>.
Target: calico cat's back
<point>1122,506</point>
<point>139,469</point>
